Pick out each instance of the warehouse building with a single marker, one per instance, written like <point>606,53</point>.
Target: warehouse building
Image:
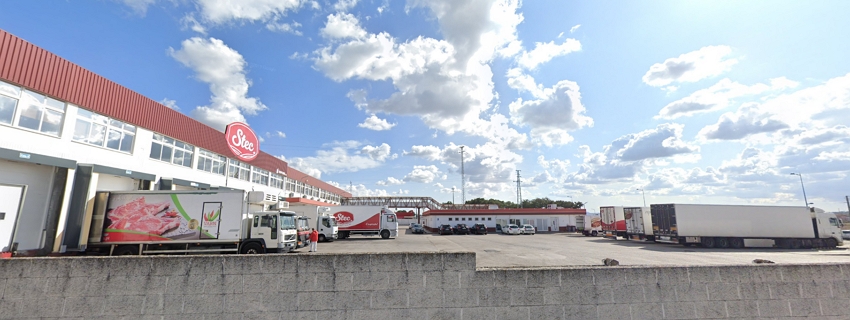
<point>66,133</point>
<point>544,220</point>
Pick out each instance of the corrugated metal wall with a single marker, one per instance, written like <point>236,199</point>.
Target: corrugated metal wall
<point>29,66</point>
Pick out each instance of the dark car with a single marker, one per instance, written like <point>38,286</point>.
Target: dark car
<point>445,229</point>
<point>416,228</point>
<point>461,228</point>
<point>478,228</point>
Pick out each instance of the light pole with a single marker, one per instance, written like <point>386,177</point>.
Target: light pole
<point>644,196</point>
<point>802,186</point>
<point>453,195</point>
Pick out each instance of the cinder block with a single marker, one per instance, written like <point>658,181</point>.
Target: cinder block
<point>547,312</point>
<point>478,279</point>
<point>703,274</point>
<point>42,307</point>
<point>835,307</point>
<point>128,266</point>
<point>512,313</point>
<point>2,286</point>
<point>672,275</point>
<point>557,295</point>
<point>805,307</point>
<point>695,291</point>
<point>461,298</point>
<point>388,299</point>
<point>452,279</point>
<point>628,294</point>
<point>324,315</point>
<point>710,309</point>
<point>383,262</point>
<point>595,295</point>
<point>223,283</point>
<point>425,298</point>
<point>580,312</point>
<point>641,276</point>
<point>774,308</point>
<point>613,311</point>
<point>48,268</point>
<point>445,313</point>
<point>609,277</point>
<point>203,303</point>
<point>86,267</point>
<point>369,281</point>
<point>659,293</point>
<point>351,262</point>
<point>267,315</point>
<point>459,261</point>
<point>766,273</point>
<point>723,291</point>
<point>170,266</point>
<point>434,280</point>
<point>400,280</point>
<point>742,309</point>
<point>680,310</point>
<point>286,282</point>
<point>816,289</point>
<point>425,261</point>
<point>86,307</point>
<point>511,278</point>
<point>25,288</point>
<point>57,287</point>
<point>736,274</point>
<point>268,263</point>
<point>527,297</point>
<point>184,284</point>
<point>841,288</point>
<point>255,283</point>
<point>124,305</point>
<point>785,290</point>
<point>494,297</point>
<point>300,315</point>
<point>13,268</point>
<point>315,263</point>
<point>798,273</point>
<point>282,302</point>
<point>348,300</point>
<point>646,311</point>
<point>479,313</point>
<point>829,271</point>
<point>755,291</point>
<point>576,278</point>
<point>543,278</point>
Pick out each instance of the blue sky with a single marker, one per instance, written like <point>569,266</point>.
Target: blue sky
<point>692,101</point>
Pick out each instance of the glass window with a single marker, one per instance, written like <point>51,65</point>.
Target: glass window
<point>10,90</point>
<point>239,170</point>
<point>211,162</point>
<point>101,131</point>
<point>260,176</point>
<point>450,219</point>
<point>166,149</point>
<point>41,113</point>
<point>7,109</point>
<point>276,181</point>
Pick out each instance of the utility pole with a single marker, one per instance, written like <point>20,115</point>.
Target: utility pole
<point>802,186</point>
<point>847,198</point>
<point>462,178</point>
<point>518,189</point>
<point>453,196</point>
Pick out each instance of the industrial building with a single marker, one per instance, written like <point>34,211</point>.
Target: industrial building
<point>544,220</point>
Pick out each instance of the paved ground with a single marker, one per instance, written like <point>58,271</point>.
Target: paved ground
<point>567,249</point>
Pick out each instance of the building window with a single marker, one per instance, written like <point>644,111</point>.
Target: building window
<point>476,219</point>
<point>101,131</point>
<point>276,181</point>
<point>450,219</point>
<point>169,150</point>
<point>488,219</point>
<point>41,113</point>
<point>260,176</point>
<point>9,96</point>
<point>211,162</point>
<point>239,170</point>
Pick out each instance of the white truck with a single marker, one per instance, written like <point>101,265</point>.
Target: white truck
<point>739,226</point>
<point>171,222</point>
<point>590,224</point>
<point>320,218</point>
<point>365,220</point>
<point>613,221</point>
<point>638,223</point>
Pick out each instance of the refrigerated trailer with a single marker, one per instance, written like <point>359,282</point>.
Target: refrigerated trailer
<point>365,220</point>
<point>590,224</point>
<point>184,222</point>
<point>638,223</point>
<point>321,219</point>
<point>737,226</point>
<point>613,221</point>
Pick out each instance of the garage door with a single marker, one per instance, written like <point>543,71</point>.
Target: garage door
<point>10,205</point>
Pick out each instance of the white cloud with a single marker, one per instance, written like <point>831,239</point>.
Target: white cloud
<point>574,28</point>
<point>825,136</point>
<point>378,153</point>
<point>345,156</point>
<point>827,104</point>
<point>224,70</point>
<point>224,11</point>
<point>390,181</point>
<point>544,52</point>
<point>280,134</point>
<point>745,122</point>
<point>171,104</point>
<point>344,5</point>
<point>377,124</point>
<point>189,22</point>
<point>342,26</point>
<point>139,6</point>
<point>422,174</point>
<point>718,97</point>
<point>693,66</point>
<point>428,152</point>
<point>284,27</point>
<point>558,111</point>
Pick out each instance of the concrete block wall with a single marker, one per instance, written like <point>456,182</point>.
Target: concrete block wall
<point>408,286</point>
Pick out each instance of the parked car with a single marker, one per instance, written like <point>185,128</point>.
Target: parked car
<point>511,229</point>
<point>445,229</point>
<point>845,234</point>
<point>527,229</point>
<point>416,228</point>
<point>461,228</point>
<point>478,228</point>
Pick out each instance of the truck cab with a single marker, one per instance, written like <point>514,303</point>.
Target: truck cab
<point>270,232</point>
<point>326,225</point>
<point>303,230</point>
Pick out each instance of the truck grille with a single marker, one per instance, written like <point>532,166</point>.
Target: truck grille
<point>289,237</point>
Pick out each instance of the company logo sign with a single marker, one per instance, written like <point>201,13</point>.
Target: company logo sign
<point>243,142</point>
<point>344,217</point>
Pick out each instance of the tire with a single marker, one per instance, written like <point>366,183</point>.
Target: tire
<point>831,243</point>
<point>806,244</point>
<point>322,238</point>
<point>795,244</point>
<point>594,233</point>
<point>385,234</point>
<point>252,248</point>
<point>707,242</point>
<point>126,251</point>
<point>721,242</point>
<point>736,243</point>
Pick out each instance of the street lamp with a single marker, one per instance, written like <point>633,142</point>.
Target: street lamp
<point>803,186</point>
<point>453,195</point>
<point>642,194</point>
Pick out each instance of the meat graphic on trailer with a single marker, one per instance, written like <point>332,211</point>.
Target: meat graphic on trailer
<point>151,218</point>
<point>143,217</point>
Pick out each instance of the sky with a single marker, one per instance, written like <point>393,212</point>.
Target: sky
<point>604,102</point>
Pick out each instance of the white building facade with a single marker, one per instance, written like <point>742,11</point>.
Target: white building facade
<point>545,220</point>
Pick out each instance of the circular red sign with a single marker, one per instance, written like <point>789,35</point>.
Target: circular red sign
<point>344,217</point>
<point>243,142</point>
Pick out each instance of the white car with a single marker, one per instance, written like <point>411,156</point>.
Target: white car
<point>527,229</point>
<point>511,229</point>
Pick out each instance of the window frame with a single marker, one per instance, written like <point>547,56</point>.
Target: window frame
<point>175,145</point>
<point>109,125</point>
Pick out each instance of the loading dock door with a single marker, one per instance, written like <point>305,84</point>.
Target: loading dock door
<point>11,198</point>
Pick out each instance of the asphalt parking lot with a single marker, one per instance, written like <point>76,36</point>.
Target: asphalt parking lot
<point>570,249</point>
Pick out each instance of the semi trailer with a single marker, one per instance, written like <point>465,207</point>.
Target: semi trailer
<point>321,219</point>
<point>638,223</point>
<point>738,226</point>
<point>188,222</point>
<point>589,224</point>
<point>613,221</point>
<point>365,220</point>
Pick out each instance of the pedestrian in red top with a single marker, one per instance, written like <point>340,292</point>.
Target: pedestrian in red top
<point>314,240</point>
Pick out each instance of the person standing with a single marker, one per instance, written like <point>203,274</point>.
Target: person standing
<point>314,240</point>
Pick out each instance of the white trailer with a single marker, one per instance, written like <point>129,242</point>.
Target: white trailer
<point>168,222</point>
<point>638,223</point>
<point>613,221</point>
<point>365,220</point>
<point>736,225</point>
<point>590,224</point>
<point>320,219</point>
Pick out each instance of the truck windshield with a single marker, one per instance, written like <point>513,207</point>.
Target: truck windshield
<point>333,222</point>
<point>287,222</point>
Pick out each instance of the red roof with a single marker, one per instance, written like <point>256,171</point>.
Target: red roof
<point>404,214</point>
<point>29,66</point>
<point>513,212</point>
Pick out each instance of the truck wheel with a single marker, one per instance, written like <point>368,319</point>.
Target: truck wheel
<point>795,244</point>
<point>252,248</point>
<point>126,251</point>
<point>385,234</point>
<point>736,243</point>
<point>831,243</point>
<point>721,242</point>
<point>707,242</point>
<point>322,238</point>
<point>806,244</point>
<point>594,233</point>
